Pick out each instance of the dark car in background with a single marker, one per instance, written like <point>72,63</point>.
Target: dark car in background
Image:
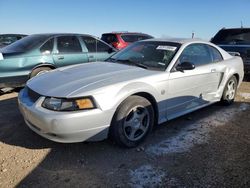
<point>120,40</point>
<point>235,40</point>
<point>39,53</point>
<point>6,39</point>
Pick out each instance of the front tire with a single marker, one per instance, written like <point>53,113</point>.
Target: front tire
<point>229,92</point>
<point>39,70</point>
<point>132,121</point>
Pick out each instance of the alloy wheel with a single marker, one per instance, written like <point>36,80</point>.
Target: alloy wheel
<point>136,123</point>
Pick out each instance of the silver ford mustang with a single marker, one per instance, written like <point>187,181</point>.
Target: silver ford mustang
<point>147,83</point>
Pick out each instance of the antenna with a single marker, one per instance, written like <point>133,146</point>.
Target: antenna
<point>193,34</point>
<point>241,24</point>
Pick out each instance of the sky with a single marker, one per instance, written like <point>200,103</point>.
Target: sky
<point>159,18</point>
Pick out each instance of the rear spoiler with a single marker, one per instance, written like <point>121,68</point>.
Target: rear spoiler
<point>234,53</point>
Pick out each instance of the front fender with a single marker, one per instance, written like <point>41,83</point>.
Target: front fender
<point>113,96</point>
<point>133,88</point>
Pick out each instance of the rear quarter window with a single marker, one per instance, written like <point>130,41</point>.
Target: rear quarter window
<point>216,55</point>
<point>94,45</point>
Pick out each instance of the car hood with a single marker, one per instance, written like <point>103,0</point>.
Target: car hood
<point>73,80</point>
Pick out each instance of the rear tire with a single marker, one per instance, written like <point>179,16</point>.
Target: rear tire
<point>229,92</point>
<point>132,122</point>
<point>39,70</point>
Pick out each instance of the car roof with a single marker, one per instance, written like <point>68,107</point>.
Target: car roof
<point>128,33</point>
<point>12,34</point>
<point>237,28</point>
<point>50,35</point>
<point>62,34</point>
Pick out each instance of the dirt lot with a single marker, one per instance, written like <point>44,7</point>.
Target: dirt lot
<point>208,148</point>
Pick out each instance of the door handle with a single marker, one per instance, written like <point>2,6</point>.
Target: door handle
<point>91,56</point>
<point>213,70</point>
<point>60,57</point>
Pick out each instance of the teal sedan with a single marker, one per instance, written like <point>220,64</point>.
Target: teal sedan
<point>38,53</point>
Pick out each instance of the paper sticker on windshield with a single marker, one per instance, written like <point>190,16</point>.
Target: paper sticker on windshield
<point>1,56</point>
<point>169,48</point>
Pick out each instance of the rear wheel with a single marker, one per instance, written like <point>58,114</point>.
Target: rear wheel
<point>39,71</point>
<point>132,121</point>
<point>229,92</point>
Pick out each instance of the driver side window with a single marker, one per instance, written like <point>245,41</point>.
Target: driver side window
<point>198,54</point>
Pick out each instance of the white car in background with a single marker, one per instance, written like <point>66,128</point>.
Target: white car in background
<point>148,83</point>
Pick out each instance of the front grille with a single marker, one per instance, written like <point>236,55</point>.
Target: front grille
<point>33,96</point>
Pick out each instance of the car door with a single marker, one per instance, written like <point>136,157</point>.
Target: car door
<point>97,50</point>
<point>190,89</point>
<point>68,51</point>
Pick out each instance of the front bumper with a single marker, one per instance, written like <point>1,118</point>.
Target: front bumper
<point>65,127</point>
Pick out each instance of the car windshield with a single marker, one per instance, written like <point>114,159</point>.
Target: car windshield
<point>232,36</point>
<point>134,38</point>
<point>25,44</point>
<point>147,54</point>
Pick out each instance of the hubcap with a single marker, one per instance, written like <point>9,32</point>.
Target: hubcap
<point>136,123</point>
<point>41,72</point>
<point>231,90</point>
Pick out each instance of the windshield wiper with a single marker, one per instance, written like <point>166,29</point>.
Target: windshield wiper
<point>133,63</point>
<point>127,62</point>
<point>141,65</point>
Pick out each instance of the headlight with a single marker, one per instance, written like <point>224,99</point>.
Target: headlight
<point>58,104</point>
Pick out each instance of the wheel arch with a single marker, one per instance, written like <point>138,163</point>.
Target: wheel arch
<point>237,78</point>
<point>42,65</point>
<point>111,134</point>
<point>145,95</point>
<point>152,100</point>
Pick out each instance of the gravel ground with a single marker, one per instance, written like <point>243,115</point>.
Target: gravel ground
<point>207,148</point>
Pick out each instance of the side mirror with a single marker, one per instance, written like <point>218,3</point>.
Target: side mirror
<point>185,66</point>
